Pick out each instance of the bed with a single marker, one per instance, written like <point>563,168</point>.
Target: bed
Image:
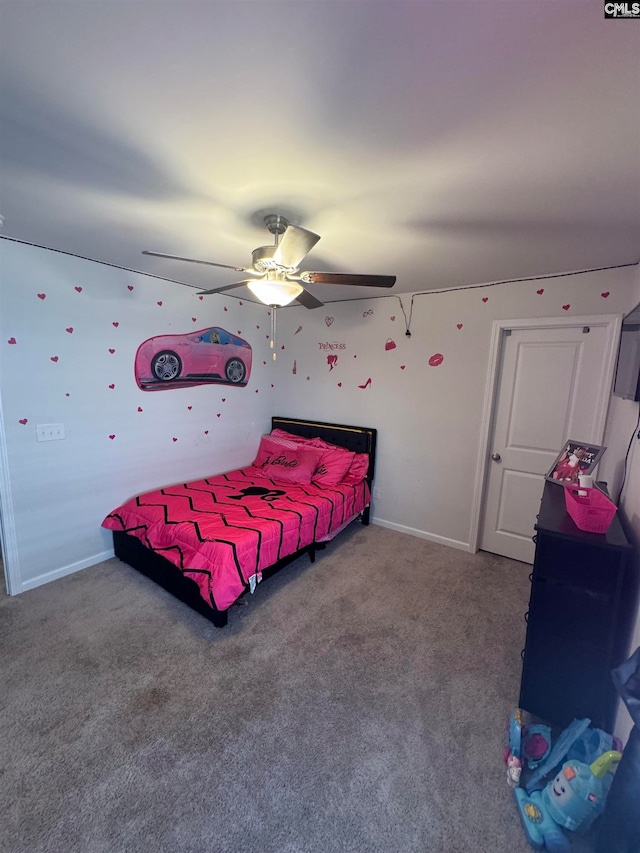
<point>210,542</point>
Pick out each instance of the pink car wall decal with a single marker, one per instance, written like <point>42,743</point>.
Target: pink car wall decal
<point>210,355</point>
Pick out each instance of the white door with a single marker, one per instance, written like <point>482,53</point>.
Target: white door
<point>553,383</point>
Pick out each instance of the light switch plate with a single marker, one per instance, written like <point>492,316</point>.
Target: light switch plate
<point>50,432</point>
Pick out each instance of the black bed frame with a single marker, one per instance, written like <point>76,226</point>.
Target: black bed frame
<point>130,550</point>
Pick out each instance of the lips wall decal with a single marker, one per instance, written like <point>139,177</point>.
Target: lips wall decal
<point>436,359</point>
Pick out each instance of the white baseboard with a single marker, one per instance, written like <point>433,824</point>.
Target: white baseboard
<point>106,555</point>
<point>66,570</point>
<point>423,534</point>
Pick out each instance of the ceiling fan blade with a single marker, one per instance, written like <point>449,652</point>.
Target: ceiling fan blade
<point>348,278</point>
<point>308,300</point>
<point>226,287</point>
<point>295,244</point>
<point>195,261</point>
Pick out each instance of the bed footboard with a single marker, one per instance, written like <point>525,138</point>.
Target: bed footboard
<point>131,551</point>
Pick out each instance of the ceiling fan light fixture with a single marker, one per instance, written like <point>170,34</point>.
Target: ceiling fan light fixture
<point>276,293</point>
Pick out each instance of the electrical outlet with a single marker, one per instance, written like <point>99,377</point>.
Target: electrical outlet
<point>376,491</point>
<point>50,432</point>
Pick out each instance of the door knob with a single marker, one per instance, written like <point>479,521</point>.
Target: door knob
<point>496,457</point>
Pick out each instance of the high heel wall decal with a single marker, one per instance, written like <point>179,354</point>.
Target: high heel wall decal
<point>366,384</point>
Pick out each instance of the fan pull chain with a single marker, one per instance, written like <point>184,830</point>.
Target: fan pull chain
<point>274,329</point>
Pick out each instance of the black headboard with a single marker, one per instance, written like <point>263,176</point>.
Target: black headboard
<point>356,438</point>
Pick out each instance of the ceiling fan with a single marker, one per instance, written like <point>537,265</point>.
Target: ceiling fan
<point>276,277</point>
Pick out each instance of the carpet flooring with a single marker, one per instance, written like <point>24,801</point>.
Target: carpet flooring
<point>357,704</point>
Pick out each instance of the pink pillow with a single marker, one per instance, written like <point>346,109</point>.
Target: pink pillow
<point>284,464</point>
<point>358,470</point>
<point>333,465</point>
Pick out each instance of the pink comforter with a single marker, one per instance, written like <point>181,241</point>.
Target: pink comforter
<point>224,530</point>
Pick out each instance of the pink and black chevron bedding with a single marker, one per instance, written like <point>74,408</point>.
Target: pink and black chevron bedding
<point>224,530</point>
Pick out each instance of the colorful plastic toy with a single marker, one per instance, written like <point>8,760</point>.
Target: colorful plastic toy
<point>530,744</point>
<point>558,754</point>
<point>536,744</point>
<point>571,800</point>
<point>513,752</point>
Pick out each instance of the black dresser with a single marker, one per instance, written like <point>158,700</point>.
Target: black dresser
<point>582,608</point>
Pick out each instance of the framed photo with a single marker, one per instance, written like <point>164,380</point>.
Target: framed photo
<point>575,458</point>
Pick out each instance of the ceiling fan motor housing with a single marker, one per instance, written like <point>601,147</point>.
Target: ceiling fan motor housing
<point>262,258</point>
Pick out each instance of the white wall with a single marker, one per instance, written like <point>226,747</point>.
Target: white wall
<point>428,417</point>
<point>61,490</point>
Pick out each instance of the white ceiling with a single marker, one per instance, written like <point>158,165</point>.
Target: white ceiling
<point>448,143</point>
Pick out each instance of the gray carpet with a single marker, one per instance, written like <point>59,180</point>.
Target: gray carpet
<point>358,704</point>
